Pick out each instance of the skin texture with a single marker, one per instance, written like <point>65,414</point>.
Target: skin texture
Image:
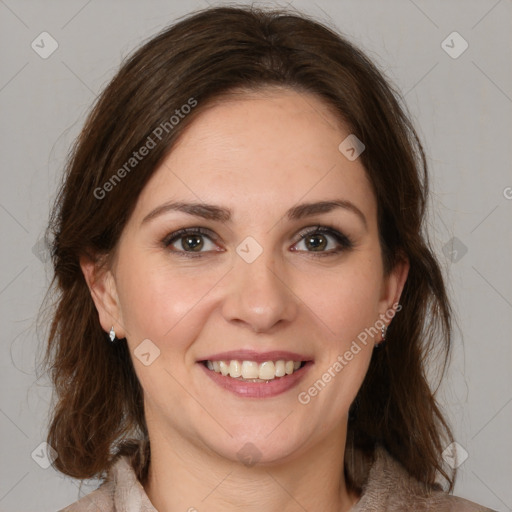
<point>258,154</point>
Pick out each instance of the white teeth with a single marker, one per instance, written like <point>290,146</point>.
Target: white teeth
<point>251,370</point>
<point>235,369</point>
<point>280,368</point>
<point>224,368</point>
<point>267,370</point>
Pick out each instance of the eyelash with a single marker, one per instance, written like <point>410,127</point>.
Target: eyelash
<point>343,240</point>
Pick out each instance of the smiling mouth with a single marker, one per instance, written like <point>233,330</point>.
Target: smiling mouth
<point>252,371</point>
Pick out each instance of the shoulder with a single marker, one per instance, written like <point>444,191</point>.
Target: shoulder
<point>100,499</point>
<point>389,487</point>
<point>121,490</point>
<point>455,504</point>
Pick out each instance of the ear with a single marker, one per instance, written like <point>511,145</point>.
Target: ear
<point>393,284</point>
<point>102,286</point>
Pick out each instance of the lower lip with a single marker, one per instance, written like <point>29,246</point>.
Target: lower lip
<point>258,389</point>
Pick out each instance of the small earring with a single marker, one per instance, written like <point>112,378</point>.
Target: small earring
<point>112,334</point>
<point>383,340</point>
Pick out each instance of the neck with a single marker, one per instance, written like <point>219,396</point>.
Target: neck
<point>185,476</point>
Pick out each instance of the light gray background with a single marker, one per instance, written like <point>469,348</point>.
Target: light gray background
<point>462,108</point>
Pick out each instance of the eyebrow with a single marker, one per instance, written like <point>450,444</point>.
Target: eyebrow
<point>220,214</point>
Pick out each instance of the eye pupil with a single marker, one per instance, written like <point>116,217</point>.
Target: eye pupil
<point>192,242</point>
<point>312,242</point>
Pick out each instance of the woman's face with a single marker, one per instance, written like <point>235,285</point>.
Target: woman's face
<point>262,171</point>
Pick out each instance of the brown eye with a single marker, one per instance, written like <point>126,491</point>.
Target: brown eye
<point>316,242</point>
<point>319,239</point>
<point>190,241</point>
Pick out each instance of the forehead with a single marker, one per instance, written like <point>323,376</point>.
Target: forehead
<point>269,148</point>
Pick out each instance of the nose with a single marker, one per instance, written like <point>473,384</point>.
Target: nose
<point>258,295</point>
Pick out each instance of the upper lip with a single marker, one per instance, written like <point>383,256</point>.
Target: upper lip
<point>254,355</point>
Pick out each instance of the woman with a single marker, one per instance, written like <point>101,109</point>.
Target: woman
<point>246,295</point>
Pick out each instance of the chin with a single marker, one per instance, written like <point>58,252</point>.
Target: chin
<point>261,446</point>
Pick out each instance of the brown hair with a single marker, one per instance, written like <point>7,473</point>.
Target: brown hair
<point>99,413</point>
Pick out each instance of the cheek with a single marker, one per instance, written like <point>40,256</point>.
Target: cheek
<point>346,303</point>
<point>345,300</point>
<point>144,300</point>
<point>159,301</point>
<point>327,395</point>
<point>347,347</point>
